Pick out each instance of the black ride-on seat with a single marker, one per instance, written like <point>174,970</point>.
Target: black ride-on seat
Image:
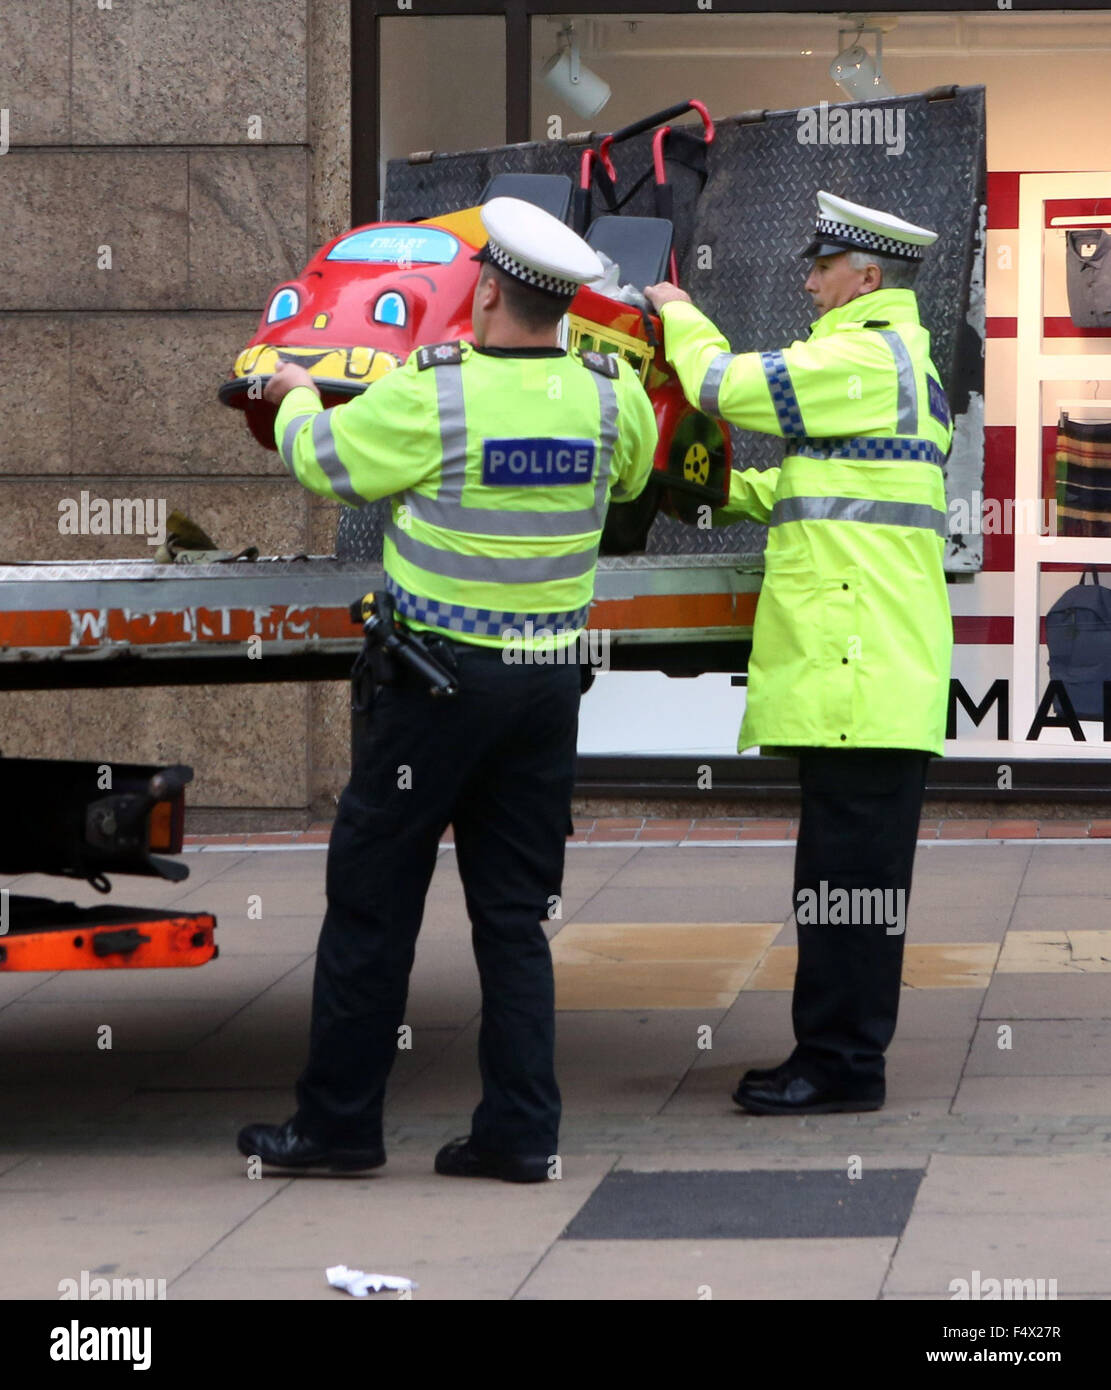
<point>552,192</point>
<point>641,246</point>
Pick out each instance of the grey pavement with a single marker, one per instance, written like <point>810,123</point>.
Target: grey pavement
<point>993,1152</point>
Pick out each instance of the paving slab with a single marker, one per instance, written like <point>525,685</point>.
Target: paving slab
<point>1079,913</point>
<point>1056,951</point>
<point>939,1248</point>
<point>924,1068</point>
<point>250,900</point>
<point>1069,870</point>
<point>1040,1047</point>
<point>1057,995</point>
<point>621,1063</point>
<point>655,965</point>
<point>716,903</point>
<point>229,977</point>
<point>295,935</point>
<point>599,1270</point>
<point>14,984</point>
<point>1041,1186</point>
<point>1036,1095</point>
<point>137,1025</point>
<point>938,1013</point>
<point>741,868</point>
<point>150,1233</point>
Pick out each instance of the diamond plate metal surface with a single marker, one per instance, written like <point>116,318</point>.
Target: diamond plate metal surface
<point>738,246</point>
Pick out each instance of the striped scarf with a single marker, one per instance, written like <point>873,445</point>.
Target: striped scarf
<point>1083,478</point>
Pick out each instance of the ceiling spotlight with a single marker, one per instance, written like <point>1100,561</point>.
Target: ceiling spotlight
<point>574,83</point>
<point>854,70</point>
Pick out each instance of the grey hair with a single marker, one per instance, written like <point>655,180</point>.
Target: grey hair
<point>897,274</point>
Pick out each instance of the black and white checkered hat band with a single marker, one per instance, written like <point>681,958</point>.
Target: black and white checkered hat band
<point>868,241</point>
<point>552,283</point>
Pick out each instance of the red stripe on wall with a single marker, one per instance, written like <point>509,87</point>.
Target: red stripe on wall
<point>974,632</point>
<point>1051,328</point>
<point>1076,207</point>
<point>1003,198</point>
<point>1065,328</point>
<point>999,481</point>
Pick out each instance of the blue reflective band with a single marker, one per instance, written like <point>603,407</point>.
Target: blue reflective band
<point>782,390</point>
<point>537,462</point>
<point>867,448</point>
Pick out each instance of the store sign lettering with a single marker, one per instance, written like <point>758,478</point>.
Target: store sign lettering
<point>1055,711</point>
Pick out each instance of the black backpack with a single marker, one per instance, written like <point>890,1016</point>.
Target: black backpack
<point>1078,635</point>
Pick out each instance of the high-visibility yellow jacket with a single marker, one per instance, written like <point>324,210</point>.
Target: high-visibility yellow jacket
<point>853,635</point>
<point>499,466</point>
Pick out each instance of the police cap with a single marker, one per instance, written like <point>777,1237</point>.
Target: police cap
<point>845,226</point>
<point>533,246</point>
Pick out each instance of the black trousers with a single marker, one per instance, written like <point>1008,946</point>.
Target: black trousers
<point>857,834</point>
<point>496,762</point>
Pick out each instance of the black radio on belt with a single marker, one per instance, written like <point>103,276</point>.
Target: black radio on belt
<point>390,648</point>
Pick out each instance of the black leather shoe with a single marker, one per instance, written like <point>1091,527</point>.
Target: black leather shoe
<point>789,1094</point>
<point>460,1159</point>
<point>284,1147</point>
<point>759,1075</point>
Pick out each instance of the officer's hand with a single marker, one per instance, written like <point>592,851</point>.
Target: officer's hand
<point>286,376</point>
<point>666,293</point>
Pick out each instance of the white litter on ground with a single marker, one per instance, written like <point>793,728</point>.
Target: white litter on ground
<point>358,1284</point>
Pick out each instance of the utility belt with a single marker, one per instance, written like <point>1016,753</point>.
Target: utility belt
<point>392,655</point>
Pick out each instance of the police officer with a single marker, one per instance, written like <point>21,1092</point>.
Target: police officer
<point>499,459</point>
<point>852,643</point>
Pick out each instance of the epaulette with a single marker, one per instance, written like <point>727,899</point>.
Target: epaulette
<point>604,363</point>
<point>439,355</point>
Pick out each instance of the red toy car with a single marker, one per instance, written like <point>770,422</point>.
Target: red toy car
<point>370,297</point>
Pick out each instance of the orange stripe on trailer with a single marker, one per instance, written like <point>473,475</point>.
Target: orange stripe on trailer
<point>98,627</point>
<point>171,941</point>
<point>674,611</point>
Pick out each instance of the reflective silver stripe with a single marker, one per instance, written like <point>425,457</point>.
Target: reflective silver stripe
<point>908,390</point>
<point>324,448</point>
<point>607,432</point>
<point>711,382</point>
<point>453,431</point>
<point>917,514</point>
<point>447,510</point>
<point>289,434</point>
<point>505,569</point>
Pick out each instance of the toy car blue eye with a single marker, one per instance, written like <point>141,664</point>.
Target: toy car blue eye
<point>390,308</point>
<point>283,306</point>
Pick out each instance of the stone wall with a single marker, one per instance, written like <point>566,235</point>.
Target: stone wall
<point>167,165</point>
